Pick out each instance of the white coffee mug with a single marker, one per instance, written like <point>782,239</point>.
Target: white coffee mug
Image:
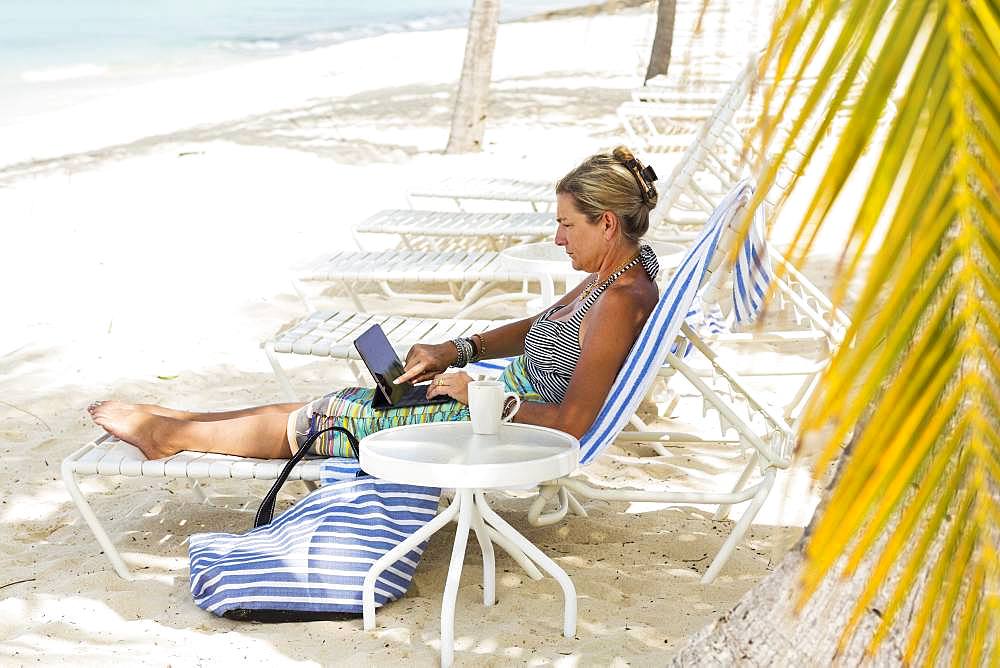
<point>486,402</point>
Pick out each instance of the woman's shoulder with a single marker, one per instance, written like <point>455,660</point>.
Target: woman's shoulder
<point>638,295</point>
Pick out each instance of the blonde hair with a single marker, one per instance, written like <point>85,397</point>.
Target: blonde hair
<point>612,181</point>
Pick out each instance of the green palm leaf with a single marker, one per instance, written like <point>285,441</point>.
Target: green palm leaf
<point>918,383</point>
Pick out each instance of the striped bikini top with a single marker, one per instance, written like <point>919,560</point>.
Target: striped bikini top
<point>552,347</point>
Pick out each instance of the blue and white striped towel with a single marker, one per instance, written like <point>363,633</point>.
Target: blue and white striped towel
<point>314,556</point>
<point>736,298</point>
<point>752,274</point>
<point>659,334</point>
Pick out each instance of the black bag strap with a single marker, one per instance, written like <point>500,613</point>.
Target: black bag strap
<point>266,511</point>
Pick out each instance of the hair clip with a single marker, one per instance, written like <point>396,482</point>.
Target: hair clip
<point>648,174</point>
<point>644,178</point>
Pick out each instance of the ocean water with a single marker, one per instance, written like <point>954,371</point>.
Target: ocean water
<point>56,53</point>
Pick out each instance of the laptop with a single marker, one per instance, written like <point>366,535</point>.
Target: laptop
<point>384,365</point>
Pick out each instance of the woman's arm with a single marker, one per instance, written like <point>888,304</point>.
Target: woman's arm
<point>425,360</point>
<point>613,326</point>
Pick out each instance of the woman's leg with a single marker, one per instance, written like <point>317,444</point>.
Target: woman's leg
<point>261,435</point>
<point>200,417</point>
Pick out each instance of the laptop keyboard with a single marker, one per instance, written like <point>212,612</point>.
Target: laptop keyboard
<point>418,395</point>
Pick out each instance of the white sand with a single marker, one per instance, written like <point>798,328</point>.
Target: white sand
<point>150,269</point>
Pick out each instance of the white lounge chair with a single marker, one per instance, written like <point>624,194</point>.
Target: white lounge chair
<point>760,428</point>
<point>676,89</point>
<point>499,229</point>
<point>683,206</point>
<point>539,195</point>
<point>444,230</point>
<point>711,164</point>
<point>107,456</point>
<point>468,275</point>
<point>663,127</point>
<point>331,333</point>
<point>708,132</point>
<point>670,123</point>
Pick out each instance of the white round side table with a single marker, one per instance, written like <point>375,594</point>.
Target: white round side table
<point>449,454</point>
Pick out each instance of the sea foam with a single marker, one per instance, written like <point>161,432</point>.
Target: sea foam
<point>65,73</point>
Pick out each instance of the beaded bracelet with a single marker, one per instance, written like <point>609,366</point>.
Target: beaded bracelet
<point>464,348</point>
<point>481,348</point>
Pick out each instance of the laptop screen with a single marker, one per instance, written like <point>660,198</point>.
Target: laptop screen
<point>382,361</point>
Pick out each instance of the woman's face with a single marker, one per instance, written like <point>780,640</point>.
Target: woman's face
<point>583,240</point>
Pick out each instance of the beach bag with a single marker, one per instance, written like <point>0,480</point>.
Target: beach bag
<point>310,562</point>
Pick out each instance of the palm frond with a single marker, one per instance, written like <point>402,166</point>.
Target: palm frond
<point>918,383</point>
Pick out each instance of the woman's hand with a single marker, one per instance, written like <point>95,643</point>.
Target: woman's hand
<point>454,385</point>
<point>424,361</point>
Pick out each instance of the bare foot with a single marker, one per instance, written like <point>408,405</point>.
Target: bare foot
<point>146,408</point>
<point>146,431</point>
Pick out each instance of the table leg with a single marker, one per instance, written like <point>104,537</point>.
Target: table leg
<point>536,555</point>
<point>464,500</point>
<point>393,555</point>
<point>489,561</point>
<point>515,554</point>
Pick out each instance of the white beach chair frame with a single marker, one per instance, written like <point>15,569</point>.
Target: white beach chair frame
<point>761,428</point>
<point>771,449</point>
<point>107,456</point>
<point>713,148</point>
<point>496,230</point>
<point>539,195</point>
<point>712,129</point>
<point>468,274</point>
<point>331,333</point>
<point>471,272</point>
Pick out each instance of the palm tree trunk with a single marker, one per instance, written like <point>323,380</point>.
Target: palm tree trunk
<point>764,628</point>
<point>663,40</point>
<point>468,122</point>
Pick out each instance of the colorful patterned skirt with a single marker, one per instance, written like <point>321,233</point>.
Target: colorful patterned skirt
<point>351,408</point>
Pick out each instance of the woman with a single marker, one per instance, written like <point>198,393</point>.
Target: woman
<point>568,355</point>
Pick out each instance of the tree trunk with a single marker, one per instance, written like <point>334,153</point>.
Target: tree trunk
<point>764,628</point>
<point>468,123</point>
<point>663,40</point>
